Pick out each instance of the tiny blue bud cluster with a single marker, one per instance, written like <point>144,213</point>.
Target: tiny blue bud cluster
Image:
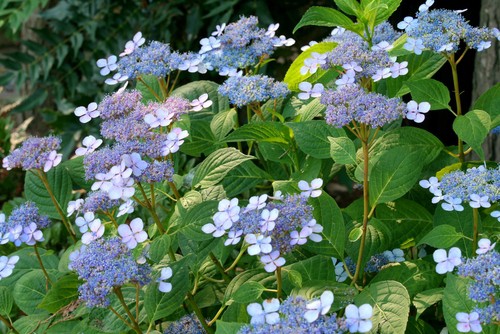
<point>255,88</point>
<point>23,225</point>
<point>188,324</point>
<point>33,153</point>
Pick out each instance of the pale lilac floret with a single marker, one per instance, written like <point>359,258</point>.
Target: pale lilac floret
<point>256,202</point>
<point>398,69</point>
<point>83,223</point>
<point>96,230</point>
<point>121,171</point>
<point>311,190</point>
<point>452,204</point>
<point>125,208</point>
<point>477,201</point>
<point>317,307</point>
<point>271,30</point>
<point>135,162</point>
<point>340,272</point>
<point>175,139</point>
<point>396,255</point>
<point>160,117</point>
<point>415,45</point>
<point>90,144</point>
<point>415,111</point>
<point>384,45</point>
<point>102,182</point>
<point>74,206</point>
<point>53,160</point>
<point>221,223</point>
<point>166,273</point>
<point>121,188</point>
<point>495,214</point>
<point>358,319</point>
<point>133,234</point>
<point>308,90</point>
<point>425,7</point>
<point>312,64</point>
<point>7,265</point>
<point>265,313</point>
<point>407,22</point>
<point>258,244</point>
<point>133,44</point>
<point>208,44</point>
<point>383,73</point>
<point>468,322</point>
<point>272,261</point>
<point>115,79</point>
<point>201,102</point>
<point>316,229</point>
<point>432,184</point>
<point>233,237</point>
<point>31,234</point>
<point>14,234</point>
<point>484,246</point>
<point>86,114</point>
<point>219,29</point>
<point>352,67</point>
<point>305,47</point>
<point>438,196</point>
<point>345,80</point>
<point>446,262</point>
<point>283,41</point>
<point>107,65</point>
<point>268,221</point>
<point>300,238</point>
<point>230,72</point>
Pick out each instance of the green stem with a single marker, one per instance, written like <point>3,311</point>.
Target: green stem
<point>119,294</point>
<point>45,181</point>
<point>150,89</point>
<point>458,102</point>
<point>198,313</point>
<point>121,318</point>
<point>220,268</point>
<point>366,209</point>
<point>49,281</point>
<point>475,215</point>
<point>137,295</point>
<point>279,284</point>
<point>173,83</point>
<point>217,315</point>
<point>235,262</point>
<point>151,209</point>
<point>8,324</point>
<point>174,190</point>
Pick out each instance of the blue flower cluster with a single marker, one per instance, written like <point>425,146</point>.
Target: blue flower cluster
<point>292,321</point>
<point>353,103</point>
<point>255,88</point>
<point>105,264</point>
<point>23,225</point>
<point>485,286</point>
<point>188,324</point>
<point>33,153</point>
<point>98,200</point>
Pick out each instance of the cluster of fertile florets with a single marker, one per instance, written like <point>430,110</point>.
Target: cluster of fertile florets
<point>479,186</point>
<point>442,30</point>
<point>353,103</point>
<point>35,153</point>
<point>105,264</point>
<point>269,228</point>
<point>23,225</point>
<point>297,315</point>
<point>188,324</point>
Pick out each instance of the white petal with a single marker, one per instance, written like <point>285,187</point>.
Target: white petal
<point>254,309</point>
<point>311,315</point>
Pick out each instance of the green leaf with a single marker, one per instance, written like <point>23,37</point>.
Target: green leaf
<point>33,323</point>
<point>463,224</point>
<point>432,91</point>
<point>198,250</point>
<point>473,129</point>
<point>293,76</point>
<point>243,177</point>
<point>149,88</point>
<point>224,327</point>
<point>313,137</point>
<point>490,102</point>
<point>355,234</point>
<point>455,299</point>
<point>159,248</point>
<point>60,183</point>
<point>31,102</point>
<point>427,298</point>
<point>6,300</point>
<point>217,165</point>
<point>223,123</point>
<point>391,305</point>
<point>328,214</point>
<point>158,304</point>
<point>412,139</point>
<point>248,292</point>
<point>195,218</point>
<point>324,17</point>
<point>252,275</point>
<point>442,236</point>
<point>342,150</point>
<point>408,220</point>
<point>416,276</point>
<point>344,294</point>
<point>200,140</point>
<point>30,290</point>
<point>349,7</point>
<point>385,9</point>
<point>394,174</point>
<point>76,171</point>
<point>261,132</point>
<point>63,292</point>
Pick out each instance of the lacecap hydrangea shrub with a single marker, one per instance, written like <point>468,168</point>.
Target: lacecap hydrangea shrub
<point>202,208</point>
